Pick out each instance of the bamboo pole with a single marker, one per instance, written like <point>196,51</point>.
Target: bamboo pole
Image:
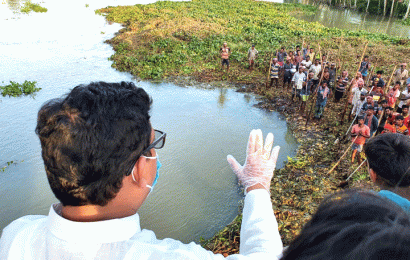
<point>314,101</point>
<point>348,90</point>
<point>344,154</point>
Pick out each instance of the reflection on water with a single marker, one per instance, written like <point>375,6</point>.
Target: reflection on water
<point>353,20</point>
<point>196,194</point>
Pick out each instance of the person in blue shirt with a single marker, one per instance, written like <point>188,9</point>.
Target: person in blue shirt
<point>388,158</point>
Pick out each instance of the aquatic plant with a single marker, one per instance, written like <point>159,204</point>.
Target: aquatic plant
<point>15,89</point>
<point>29,6</point>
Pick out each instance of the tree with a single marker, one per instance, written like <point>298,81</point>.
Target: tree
<point>392,7</point>
<point>407,12</point>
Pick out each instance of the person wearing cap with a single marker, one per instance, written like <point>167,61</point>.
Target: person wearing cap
<point>371,120</point>
<point>360,133</point>
<point>400,127</point>
<point>252,55</point>
<point>388,157</point>
<point>364,67</point>
<point>298,80</point>
<point>401,74</point>
<point>393,94</point>
<point>274,72</point>
<point>404,98</point>
<point>289,69</point>
<point>225,52</point>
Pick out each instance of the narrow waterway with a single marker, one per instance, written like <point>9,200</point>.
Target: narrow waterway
<point>196,194</point>
<point>353,20</point>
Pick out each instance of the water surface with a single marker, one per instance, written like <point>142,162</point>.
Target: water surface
<point>196,194</point>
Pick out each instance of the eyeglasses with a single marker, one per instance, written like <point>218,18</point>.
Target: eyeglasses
<point>159,141</point>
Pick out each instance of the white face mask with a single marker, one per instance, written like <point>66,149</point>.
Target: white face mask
<point>157,174</point>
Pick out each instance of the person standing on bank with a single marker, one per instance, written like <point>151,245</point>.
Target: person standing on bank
<point>225,52</point>
<point>360,133</point>
<point>100,154</point>
<point>252,55</point>
<point>274,72</point>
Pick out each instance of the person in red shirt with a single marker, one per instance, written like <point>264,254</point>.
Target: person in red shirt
<point>389,129</point>
<point>360,132</point>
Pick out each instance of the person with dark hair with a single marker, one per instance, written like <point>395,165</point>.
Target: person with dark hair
<point>360,132</point>
<point>371,120</point>
<point>364,67</point>
<point>281,55</point>
<point>388,158</point>
<point>323,93</point>
<point>353,225</point>
<point>100,155</point>
<point>225,52</point>
<point>380,81</point>
<point>400,127</point>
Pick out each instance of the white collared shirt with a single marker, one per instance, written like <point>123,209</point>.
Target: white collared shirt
<point>54,237</point>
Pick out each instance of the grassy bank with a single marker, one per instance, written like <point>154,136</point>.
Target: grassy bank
<point>170,39</point>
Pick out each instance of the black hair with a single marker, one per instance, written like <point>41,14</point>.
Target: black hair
<point>353,225</point>
<point>91,138</point>
<point>379,72</point>
<point>383,101</point>
<point>370,108</point>
<point>399,117</point>
<point>397,83</point>
<point>404,106</point>
<point>389,157</point>
<point>297,46</point>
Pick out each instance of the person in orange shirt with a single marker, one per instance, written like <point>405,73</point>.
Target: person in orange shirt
<point>400,127</point>
<point>360,132</point>
<point>388,128</point>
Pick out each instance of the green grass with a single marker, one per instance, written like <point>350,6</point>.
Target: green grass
<point>15,89</point>
<point>29,6</point>
<point>183,38</point>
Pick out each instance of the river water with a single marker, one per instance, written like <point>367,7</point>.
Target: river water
<point>353,20</point>
<point>196,194</point>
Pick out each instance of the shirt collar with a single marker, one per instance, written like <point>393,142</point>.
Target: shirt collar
<point>106,231</point>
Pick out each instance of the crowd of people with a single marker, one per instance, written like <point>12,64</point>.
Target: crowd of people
<point>375,105</point>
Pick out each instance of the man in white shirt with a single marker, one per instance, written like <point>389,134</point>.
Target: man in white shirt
<point>298,80</point>
<point>306,63</point>
<point>404,98</point>
<point>316,69</point>
<point>99,152</point>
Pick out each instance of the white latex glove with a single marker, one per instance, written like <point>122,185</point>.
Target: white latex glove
<point>260,163</point>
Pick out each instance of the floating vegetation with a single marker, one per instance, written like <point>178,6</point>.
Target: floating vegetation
<point>15,89</point>
<point>29,6</point>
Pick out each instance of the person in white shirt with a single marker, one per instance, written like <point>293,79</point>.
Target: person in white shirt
<point>298,80</point>
<point>316,69</point>
<point>306,63</point>
<point>252,55</point>
<point>100,155</point>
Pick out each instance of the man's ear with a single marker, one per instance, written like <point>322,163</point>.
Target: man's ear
<point>139,172</point>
